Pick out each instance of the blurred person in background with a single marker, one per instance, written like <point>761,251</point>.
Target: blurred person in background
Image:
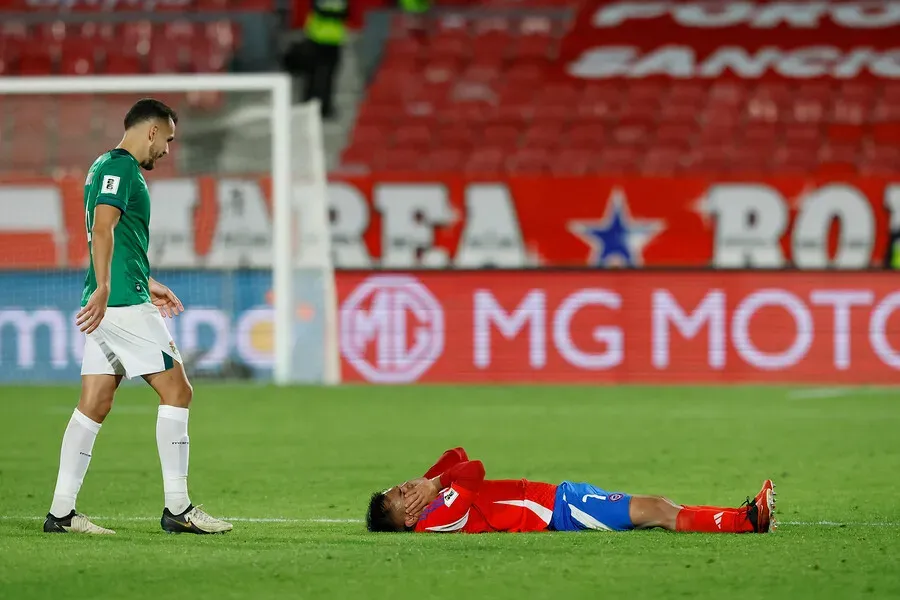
<point>892,254</point>
<point>317,58</point>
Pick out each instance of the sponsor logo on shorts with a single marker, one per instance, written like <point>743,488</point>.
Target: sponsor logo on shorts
<point>616,497</point>
<point>450,497</point>
<point>172,347</point>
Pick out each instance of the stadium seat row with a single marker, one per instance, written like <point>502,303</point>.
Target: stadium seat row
<point>139,47</point>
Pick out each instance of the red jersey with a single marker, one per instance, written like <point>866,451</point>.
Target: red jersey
<point>470,503</point>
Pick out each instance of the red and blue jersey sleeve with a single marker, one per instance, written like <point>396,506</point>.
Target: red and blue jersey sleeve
<point>449,512</point>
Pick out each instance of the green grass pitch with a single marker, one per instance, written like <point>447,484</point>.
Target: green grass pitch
<point>296,466</point>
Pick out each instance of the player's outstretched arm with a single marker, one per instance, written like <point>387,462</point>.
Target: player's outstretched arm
<point>165,299</point>
<point>106,217</point>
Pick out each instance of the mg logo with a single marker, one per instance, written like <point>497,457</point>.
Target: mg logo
<point>392,329</point>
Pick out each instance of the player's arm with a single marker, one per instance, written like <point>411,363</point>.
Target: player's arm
<point>467,475</point>
<point>447,460</point>
<point>456,491</point>
<point>106,217</point>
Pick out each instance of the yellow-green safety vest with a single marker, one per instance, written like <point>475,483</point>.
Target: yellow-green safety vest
<point>326,23</point>
<point>415,6</point>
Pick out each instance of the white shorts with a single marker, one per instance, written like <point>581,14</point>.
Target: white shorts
<point>130,341</point>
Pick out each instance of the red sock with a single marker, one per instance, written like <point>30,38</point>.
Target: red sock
<point>712,519</point>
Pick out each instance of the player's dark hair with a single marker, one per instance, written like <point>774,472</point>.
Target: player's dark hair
<point>377,517</point>
<point>146,109</point>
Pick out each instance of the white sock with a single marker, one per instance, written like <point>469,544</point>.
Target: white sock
<point>74,458</point>
<point>174,449</point>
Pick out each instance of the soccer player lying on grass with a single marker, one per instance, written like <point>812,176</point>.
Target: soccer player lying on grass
<point>454,496</point>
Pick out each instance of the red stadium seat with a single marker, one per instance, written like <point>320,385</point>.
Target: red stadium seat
<point>35,60</point>
<point>573,163</point>
<point>485,161</point>
<point>501,136</point>
<point>117,63</point>
<point>531,161</point>
<point>807,135</point>
<point>543,136</point>
<point>454,136</point>
<point>77,58</point>
<point>617,159</point>
<point>586,136</point>
<point>688,93</point>
<point>398,160</point>
<point>359,155</point>
<point>675,136</point>
<point>412,137</point>
<point>845,133</point>
<point>445,160</point>
<point>662,161</point>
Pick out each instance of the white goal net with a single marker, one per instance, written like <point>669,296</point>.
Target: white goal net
<point>238,228</point>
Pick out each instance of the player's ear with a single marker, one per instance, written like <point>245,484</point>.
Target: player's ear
<point>154,129</point>
<point>410,521</point>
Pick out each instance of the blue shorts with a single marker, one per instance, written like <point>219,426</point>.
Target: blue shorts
<point>582,506</point>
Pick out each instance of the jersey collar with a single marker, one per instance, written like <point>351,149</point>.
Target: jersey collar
<point>122,152</point>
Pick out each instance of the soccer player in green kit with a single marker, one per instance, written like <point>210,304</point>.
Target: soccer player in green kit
<point>122,315</point>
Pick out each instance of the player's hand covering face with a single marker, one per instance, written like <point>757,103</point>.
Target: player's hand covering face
<point>418,494</point>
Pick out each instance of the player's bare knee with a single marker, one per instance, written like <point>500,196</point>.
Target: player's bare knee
<point>652,511</point>
<point>96,405</point>
<point>181,396</point>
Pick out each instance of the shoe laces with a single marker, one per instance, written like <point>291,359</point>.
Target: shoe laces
<point>751,512</point>
<point>82,522</point>
<point>201,516</point>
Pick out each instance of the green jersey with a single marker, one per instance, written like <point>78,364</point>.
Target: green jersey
<point>115,179</point>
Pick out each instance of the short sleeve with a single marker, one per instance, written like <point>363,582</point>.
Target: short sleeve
<point>115,184</point>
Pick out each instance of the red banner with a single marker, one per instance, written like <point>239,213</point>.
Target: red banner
<point>625,327</point>
<point>608,222</point>
<point>792,40</point>
<point>453,221</point>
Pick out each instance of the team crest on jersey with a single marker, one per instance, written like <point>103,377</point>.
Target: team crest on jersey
<point>450,497</point>
<point>616,497</point>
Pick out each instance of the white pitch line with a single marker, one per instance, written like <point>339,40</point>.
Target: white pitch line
<point>234,519</point>
<point>839,392</point>
<point>333,521</point>
<point>819,393</point>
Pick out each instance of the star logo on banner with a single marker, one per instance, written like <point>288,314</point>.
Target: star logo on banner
<point>618,239</point>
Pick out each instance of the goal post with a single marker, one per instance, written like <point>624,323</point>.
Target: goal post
<point>253,125</point>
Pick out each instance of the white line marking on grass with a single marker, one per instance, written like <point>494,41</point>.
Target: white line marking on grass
<point>338,521</point>
<point>839,392</point>
<point>234,519</point>
<point>840,524</point>
<point>819,393</point>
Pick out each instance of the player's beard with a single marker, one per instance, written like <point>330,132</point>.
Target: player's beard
<point>148,164</point>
